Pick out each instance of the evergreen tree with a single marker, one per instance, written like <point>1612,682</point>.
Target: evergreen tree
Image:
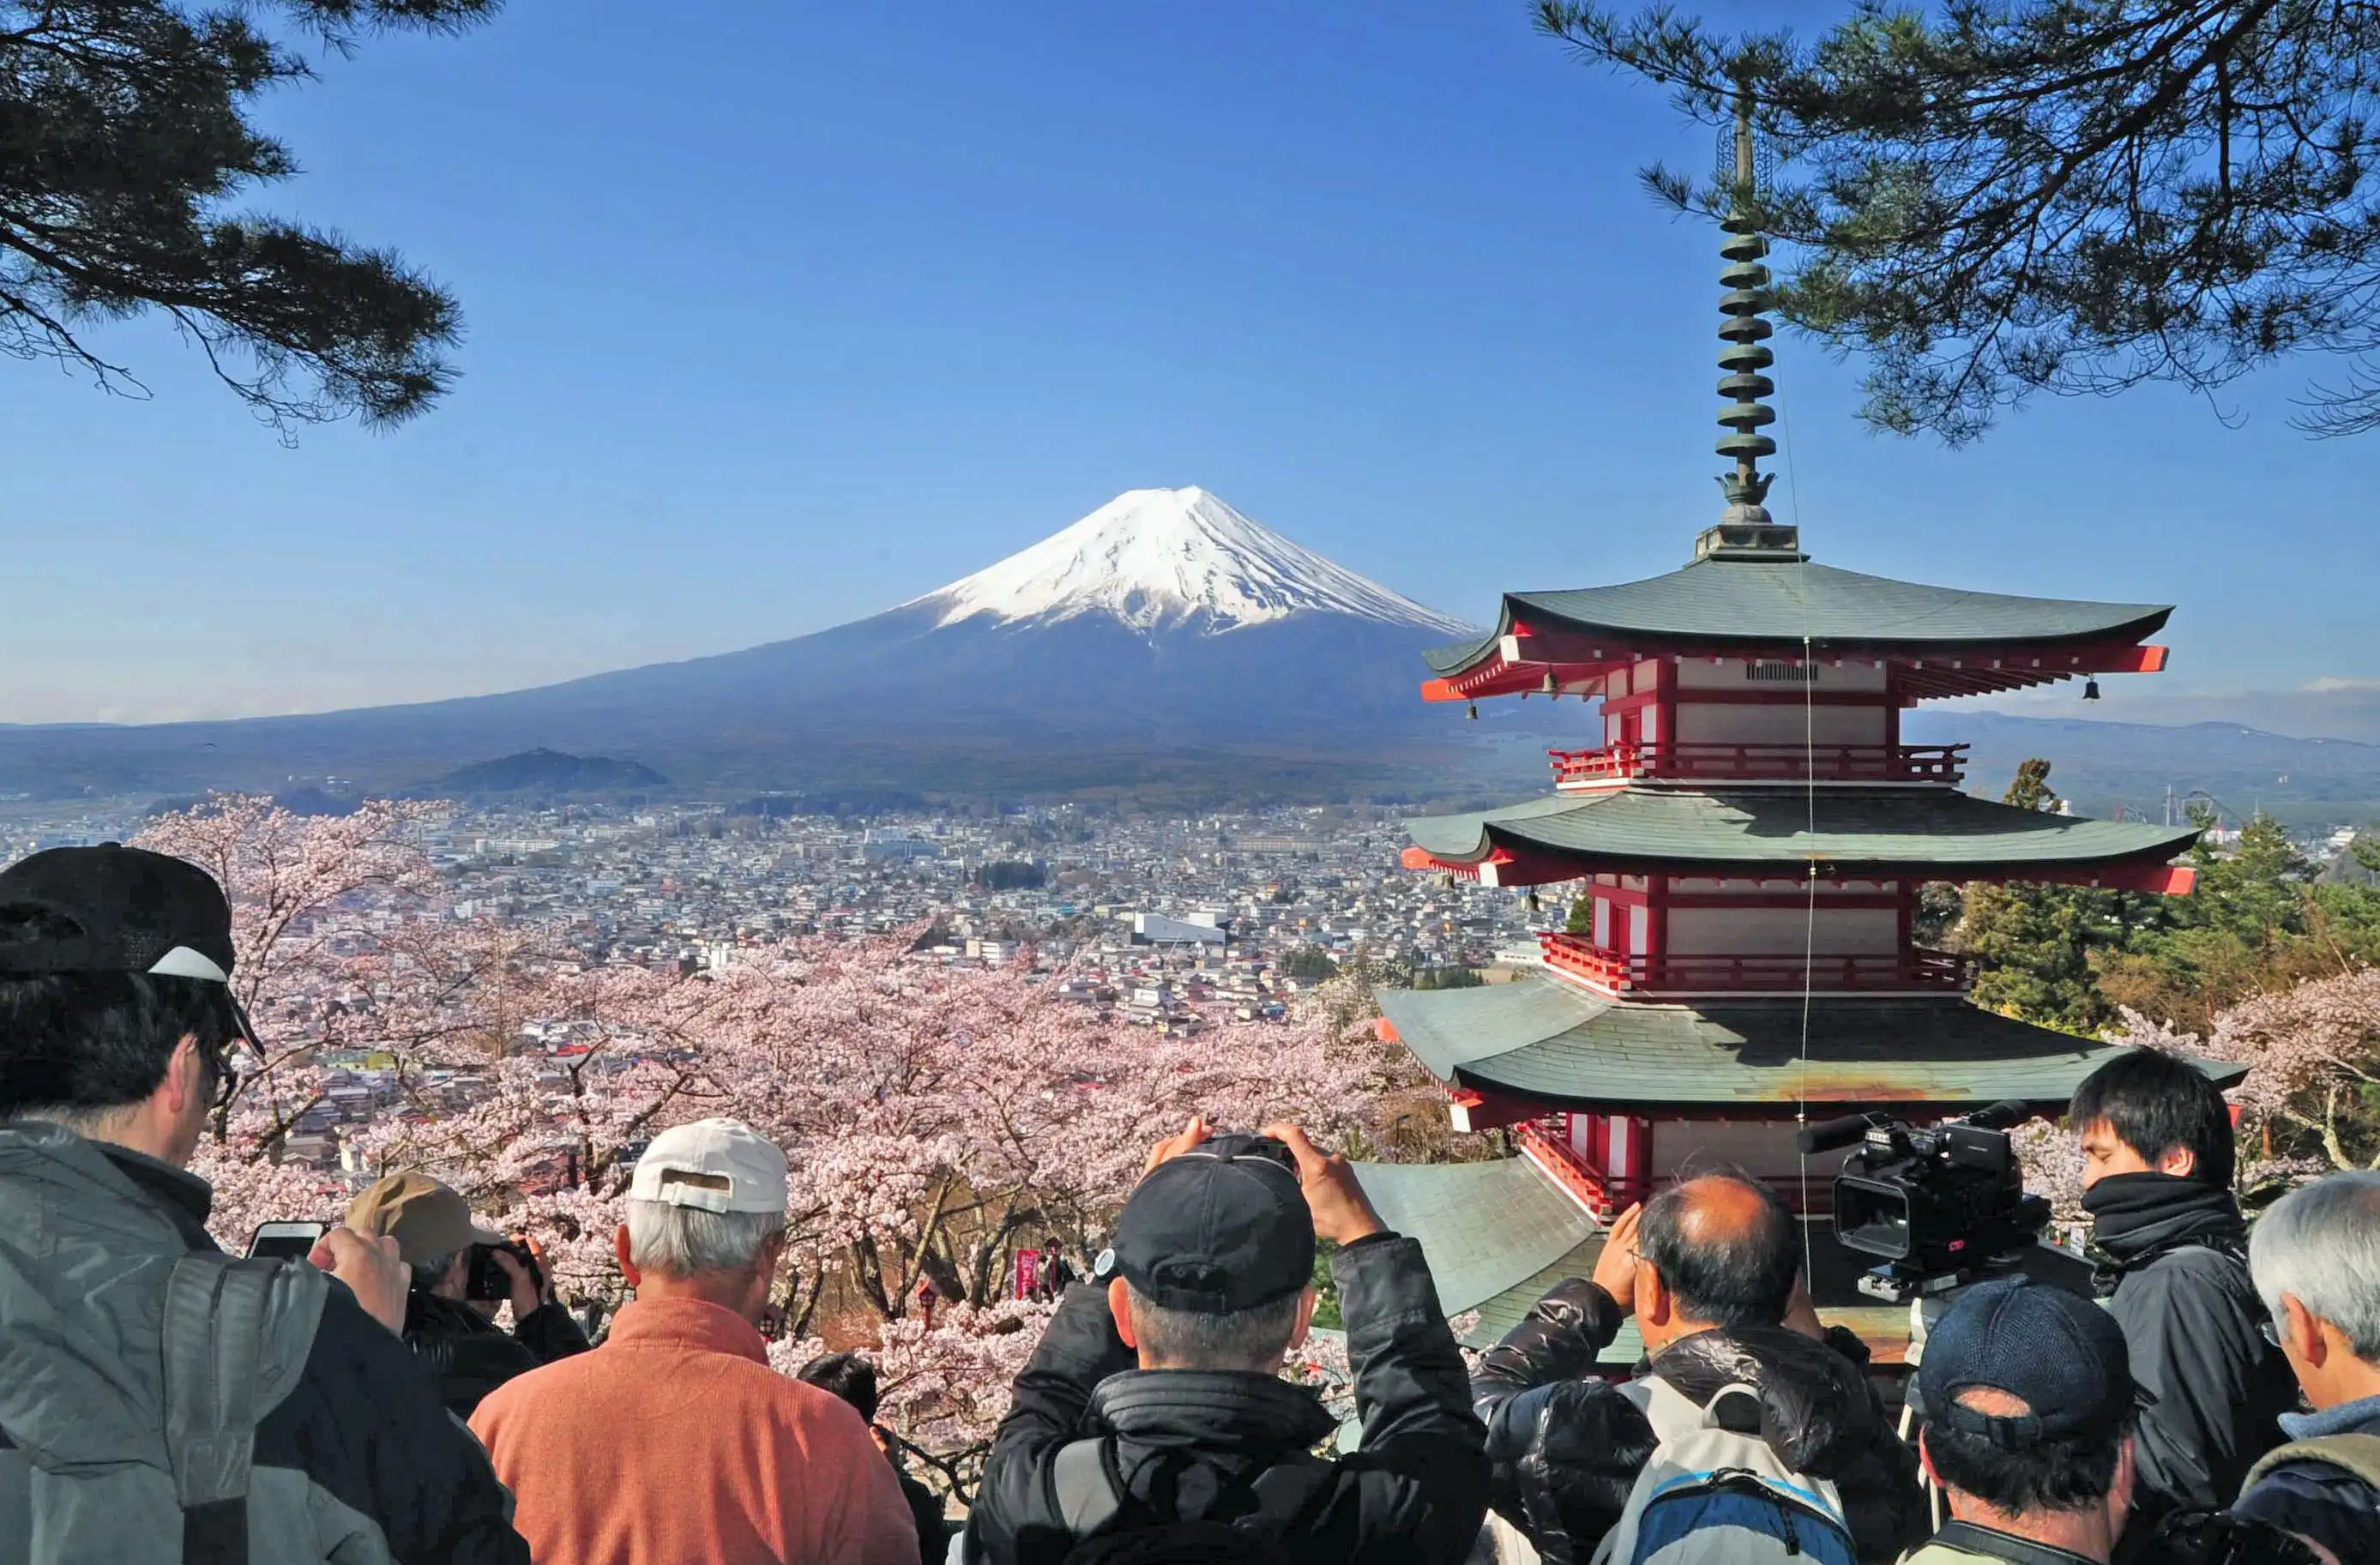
<point>2034,943</point>
<point>2256,923</point>
<point>125,134</point>
<point>1994,200</point>
<point>1582,917</point>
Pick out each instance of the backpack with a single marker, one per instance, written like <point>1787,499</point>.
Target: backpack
<point>2358,1454</point>
<point>102,1458</point>
<point>1113,1526</point>
<point>1714,1493</point>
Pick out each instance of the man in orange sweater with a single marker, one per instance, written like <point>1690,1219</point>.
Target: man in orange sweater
<point>675,1441</point>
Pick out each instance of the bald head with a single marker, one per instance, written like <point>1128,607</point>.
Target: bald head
<point>1724,1246</point>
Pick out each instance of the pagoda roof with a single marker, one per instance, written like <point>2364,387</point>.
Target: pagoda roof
<point>1537,1224</point>
<point>1748,604</point>
<point>1851,831</point>
<point>1555,1043</point>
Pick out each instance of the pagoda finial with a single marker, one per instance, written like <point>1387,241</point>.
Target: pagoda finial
<point>1745,531</point>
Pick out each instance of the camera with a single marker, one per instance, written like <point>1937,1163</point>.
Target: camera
<point>1938,1205</point>
<point>488,1281</point>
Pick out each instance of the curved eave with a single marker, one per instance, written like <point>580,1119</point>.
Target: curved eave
<point>1753,833</point>
<point>1550,1044</point>
<point>1735,607</point>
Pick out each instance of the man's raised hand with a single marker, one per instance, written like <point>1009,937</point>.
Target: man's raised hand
<point>1342,1213</point>
<point>1615,1269</point>
<point>1174,1145</point>
<point>371,1268</point>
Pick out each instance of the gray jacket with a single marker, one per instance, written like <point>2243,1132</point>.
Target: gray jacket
<point>351,1457</point>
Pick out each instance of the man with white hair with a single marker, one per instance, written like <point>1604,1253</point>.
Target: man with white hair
<point>674,1440</point>
<point>2315,1257</point>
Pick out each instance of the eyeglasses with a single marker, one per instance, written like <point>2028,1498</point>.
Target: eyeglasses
<point>2270,1330</point>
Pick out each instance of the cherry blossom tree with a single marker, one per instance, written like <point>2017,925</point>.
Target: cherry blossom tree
<point>936,1120</point>
<point>2313,1053</point>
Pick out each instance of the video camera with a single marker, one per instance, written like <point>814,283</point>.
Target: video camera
<point>1938,1203</point>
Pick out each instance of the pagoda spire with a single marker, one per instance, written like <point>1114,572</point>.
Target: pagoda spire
<point>1745,529</point>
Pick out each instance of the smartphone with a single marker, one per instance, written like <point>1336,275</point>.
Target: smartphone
<point>285,1241</point>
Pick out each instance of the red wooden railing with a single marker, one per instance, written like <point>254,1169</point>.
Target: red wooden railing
<point>1764,763</point>
<point>1917,968</point>
<point>1542,1140</point>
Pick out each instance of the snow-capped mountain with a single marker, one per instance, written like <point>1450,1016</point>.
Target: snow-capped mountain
<point>1163,642</point>
<point>1160,559</point>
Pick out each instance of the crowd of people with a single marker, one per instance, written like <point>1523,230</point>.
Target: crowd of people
<point>160,1400</point>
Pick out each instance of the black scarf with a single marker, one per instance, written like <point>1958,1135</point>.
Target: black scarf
<point>2137,1217</point>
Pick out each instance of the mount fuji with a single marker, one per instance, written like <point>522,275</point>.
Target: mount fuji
<point>1166,641</point>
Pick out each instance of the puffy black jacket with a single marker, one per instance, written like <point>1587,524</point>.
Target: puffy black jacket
<point>1567,1447</point>
<point>1413,1493</point>
<point>470,1355</point>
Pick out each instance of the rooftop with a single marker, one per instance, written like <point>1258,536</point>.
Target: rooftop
<point>1559,836</point>
<point>1757,603</point>
<point>1556,1044</point>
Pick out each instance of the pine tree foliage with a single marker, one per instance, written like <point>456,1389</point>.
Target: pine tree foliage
<point>126,135</point>
<point>2007,197</point>
<point>2034,943</point>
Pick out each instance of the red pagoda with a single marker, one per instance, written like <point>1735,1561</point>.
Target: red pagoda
<point>1750,834</point>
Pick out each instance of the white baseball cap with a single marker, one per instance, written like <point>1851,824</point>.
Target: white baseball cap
<point>717,1165</point>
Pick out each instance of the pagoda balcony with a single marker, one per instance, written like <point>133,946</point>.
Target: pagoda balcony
<point>1916,970</point>
<point>1760,763</point>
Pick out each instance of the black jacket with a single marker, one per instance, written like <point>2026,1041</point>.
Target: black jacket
<point>1567,1447</point>
<point>470,1355</point>
<point>1413,1493</point>
<point>2176,1279</point>
<point>364,1423</point>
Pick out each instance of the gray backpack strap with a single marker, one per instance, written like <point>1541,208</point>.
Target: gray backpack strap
<point>2359,1454</point>
<point>235,1334</point>
<point>1086,1491</point>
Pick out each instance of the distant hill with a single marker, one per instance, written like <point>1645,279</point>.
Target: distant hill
<point>548,771</point>
<point>2102,766</point>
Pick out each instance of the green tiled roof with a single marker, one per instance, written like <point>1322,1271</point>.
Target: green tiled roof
<point>1920,828</point>
<point>1486,1226</point>
<point>1555,1043</point>
<point>1779,602</point>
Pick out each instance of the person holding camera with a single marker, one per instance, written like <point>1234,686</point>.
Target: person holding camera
<point>1153,1420</point>
<point>2158,1162</point>
<point>462,1274</point>
<point>162,1400</point>
<point>1740,1378</point>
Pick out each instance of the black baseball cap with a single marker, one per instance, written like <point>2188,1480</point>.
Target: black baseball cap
<point>114,909</point>
<point>2059,1352</point>
<point>1221,1228</point>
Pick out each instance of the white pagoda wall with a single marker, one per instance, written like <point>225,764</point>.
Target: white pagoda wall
<point>1765,931</point>
<point>1711,723</point>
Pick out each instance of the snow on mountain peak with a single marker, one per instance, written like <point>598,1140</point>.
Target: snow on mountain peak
<point>1155,558</point>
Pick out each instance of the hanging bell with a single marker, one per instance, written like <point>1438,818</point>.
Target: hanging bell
<point>1550,687</point>
<point>1474,710</point>
<point>2090,689</point>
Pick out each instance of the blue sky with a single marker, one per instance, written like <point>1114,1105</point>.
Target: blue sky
<point>781,314</point>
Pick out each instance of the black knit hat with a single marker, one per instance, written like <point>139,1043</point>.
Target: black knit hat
<point>2062,1356</point>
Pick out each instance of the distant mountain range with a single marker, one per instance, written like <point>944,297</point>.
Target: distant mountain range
<point>1166,647</point>
<point>2101,766</point>
<point>1164,644</point>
